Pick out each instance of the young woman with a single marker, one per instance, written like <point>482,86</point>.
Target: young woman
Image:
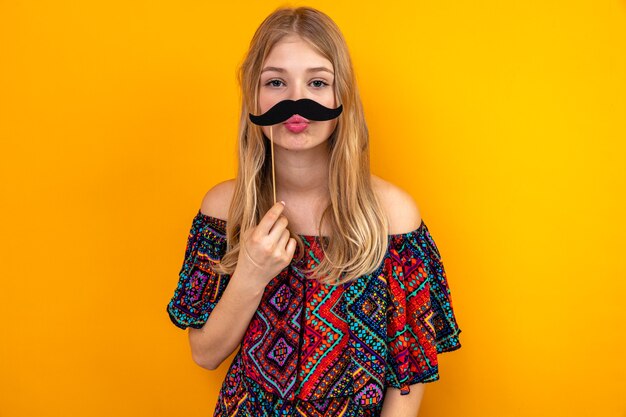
<point>323,274</point>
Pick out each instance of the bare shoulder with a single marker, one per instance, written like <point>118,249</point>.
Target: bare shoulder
<point>217,200</point>
<point>402,210</point>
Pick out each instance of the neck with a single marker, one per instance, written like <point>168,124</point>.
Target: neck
<point>301,174</point>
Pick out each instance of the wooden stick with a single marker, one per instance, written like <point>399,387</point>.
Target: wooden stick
<point>273,174</point>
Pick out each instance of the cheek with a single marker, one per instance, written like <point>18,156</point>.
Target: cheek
<point>326,127</point>
<point>263,105</point>
<point>331,101</point>
<point>266,101</point>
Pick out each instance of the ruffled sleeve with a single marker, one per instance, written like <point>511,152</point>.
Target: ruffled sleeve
<point>199,288</point>
<point>420,318</point>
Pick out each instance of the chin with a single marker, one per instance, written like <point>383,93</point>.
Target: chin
<point>298,142</point>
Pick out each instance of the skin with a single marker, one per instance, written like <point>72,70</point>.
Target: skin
<point>301,166</point>
<point>301,159</point>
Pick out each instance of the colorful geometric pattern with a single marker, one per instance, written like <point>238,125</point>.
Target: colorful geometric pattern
<point>319,350</point>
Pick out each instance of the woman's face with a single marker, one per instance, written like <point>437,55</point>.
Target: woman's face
<point>294,70</point>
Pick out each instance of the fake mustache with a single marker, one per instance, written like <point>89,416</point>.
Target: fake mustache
<point>305,107</point>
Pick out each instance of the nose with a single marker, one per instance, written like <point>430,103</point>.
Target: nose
<point>298,91</point>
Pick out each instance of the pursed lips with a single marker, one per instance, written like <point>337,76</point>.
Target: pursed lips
<point>296,123</point>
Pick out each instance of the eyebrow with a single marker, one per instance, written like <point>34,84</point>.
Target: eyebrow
<point>314,69</point>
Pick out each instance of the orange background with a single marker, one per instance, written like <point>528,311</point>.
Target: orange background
<point>505,121</point>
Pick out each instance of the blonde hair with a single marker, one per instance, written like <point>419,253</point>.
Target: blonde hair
<point>358,224</point>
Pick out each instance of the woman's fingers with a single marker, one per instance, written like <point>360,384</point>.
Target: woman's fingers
<point>267,222</point>
<point>284,238</point>
<point>291,248</point>
<point>268,247</point>
<point>279,227</point>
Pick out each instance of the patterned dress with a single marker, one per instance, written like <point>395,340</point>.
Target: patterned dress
<point>318,350</point>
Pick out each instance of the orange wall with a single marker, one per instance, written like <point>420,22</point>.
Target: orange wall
<point>505,121</point>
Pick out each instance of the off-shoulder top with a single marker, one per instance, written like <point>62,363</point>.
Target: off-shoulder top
<point>313,349</point>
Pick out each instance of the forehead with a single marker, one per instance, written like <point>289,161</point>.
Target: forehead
<point>294,53</point>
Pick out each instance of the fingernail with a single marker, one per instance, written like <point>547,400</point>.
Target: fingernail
<point>283,202</point>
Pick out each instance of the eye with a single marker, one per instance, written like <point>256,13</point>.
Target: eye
<point>323,83</point>
<point>273,83</point>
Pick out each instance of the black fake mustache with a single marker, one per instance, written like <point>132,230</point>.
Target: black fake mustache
<point>305,107</point>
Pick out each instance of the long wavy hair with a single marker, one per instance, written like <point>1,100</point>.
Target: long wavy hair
<point>357,222</point>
